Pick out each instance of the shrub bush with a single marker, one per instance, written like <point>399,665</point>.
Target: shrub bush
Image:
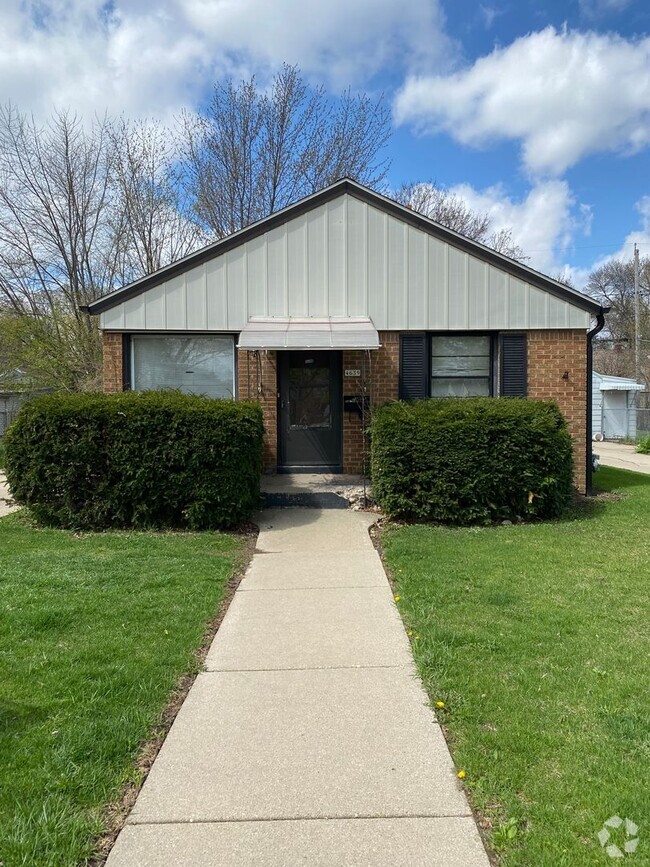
<point>643,446</point>
<point>469,461</point>
<point>138,459</point>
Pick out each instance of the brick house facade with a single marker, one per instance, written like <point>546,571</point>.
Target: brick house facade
<point>557,370</point>
<point>324,275</point>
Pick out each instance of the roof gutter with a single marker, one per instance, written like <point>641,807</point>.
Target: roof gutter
<point>600,324</point>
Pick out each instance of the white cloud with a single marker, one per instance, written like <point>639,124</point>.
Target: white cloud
<point>562,95</point>
<point>639,236</point>
<point>145,58</point>
<point>543,223</point>
<point>489,14</point>
<point>600,8</point>
<point>340,41</point>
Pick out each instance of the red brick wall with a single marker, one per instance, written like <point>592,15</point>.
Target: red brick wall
<point>550,355</point>
<point>382,384</point>
<point>112,373</point>
<point>557,370</point>
<point>257,380</point>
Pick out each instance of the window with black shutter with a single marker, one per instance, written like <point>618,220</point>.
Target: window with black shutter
<point>461,365</point>
<point>413,366</point>
<point>514,371</point>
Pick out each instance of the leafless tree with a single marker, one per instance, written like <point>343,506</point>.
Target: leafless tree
<point>153,226</point>
<point>613,285</point>
<point>54,196</point>
<point>253,152</point>
<point>84,208</point>
<point>57,252</point>
<point>451,210</point>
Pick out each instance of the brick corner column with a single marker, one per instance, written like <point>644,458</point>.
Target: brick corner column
<point>557,370</point>
<point>113,362</point>
<point>257,381</point>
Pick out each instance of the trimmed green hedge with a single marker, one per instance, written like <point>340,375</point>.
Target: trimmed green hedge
<point>138,459</point>
<point>471,461</point>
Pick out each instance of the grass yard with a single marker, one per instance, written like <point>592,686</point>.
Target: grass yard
<point>537,639</point>
<point>95,631</point>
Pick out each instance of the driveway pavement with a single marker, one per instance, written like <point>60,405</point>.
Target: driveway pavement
<point>308,739</point>
<point>6,503</point>
<point>622,456</point>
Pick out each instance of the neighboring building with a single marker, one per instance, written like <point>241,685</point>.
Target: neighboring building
<point>10,403</point>
<point>344,294</point>
<point>614,407</point>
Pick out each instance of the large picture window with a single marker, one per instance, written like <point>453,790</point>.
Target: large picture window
<point>194,365</point>
<point>460,365</point>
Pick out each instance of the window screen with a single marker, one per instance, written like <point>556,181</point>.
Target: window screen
<point>194,365</point>
<point>460,365</point>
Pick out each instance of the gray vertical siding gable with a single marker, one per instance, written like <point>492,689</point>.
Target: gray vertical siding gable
<point>346,258</point>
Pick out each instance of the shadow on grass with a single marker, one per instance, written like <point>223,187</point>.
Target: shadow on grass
<point>586,508</point>
<point>613,478</point>
<point>17,716</point>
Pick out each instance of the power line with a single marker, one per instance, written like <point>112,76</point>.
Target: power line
<point>591,247</point>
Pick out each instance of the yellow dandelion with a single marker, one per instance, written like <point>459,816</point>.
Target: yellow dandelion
<point>461,775</point>
<point>440,704</point>
<point>410,633</point>
<point>397,598</point>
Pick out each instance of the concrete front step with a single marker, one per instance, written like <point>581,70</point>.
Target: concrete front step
<point>314,491</point>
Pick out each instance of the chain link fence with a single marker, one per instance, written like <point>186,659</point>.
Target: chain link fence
<point>643,422</point>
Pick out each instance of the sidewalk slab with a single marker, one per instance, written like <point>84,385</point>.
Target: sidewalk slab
<point>324,628</point>
<point>314,531</point>
<point>309,739</point>
<point>302,744</point>
<point>445,842</point>
<point>622,456</point>
<point>277,571</point>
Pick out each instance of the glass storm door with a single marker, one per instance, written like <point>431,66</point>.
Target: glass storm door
<point>309,411</point>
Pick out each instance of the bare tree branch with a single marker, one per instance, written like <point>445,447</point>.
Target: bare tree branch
<point>252,152</point>
<point>451,210</point>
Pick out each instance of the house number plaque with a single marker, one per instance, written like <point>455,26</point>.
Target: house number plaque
<point>352,371</point>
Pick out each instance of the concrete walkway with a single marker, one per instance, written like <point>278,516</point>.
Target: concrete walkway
<point>622,456</point>
<point>308,740</point>
<point>6,503</point>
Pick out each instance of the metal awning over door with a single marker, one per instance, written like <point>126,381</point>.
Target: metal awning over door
<point>309,333</point>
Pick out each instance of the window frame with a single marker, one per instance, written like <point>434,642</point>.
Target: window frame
<point>493,355</point>
<point>129,347</point>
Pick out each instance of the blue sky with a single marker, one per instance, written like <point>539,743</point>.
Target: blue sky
<point>540,115</point>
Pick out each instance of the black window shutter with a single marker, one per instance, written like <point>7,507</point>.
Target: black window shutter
<point>514,369</point>
<point>126,362</point>
<point>413,367</point>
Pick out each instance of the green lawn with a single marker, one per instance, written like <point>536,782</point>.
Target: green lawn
<point>537,639</point>
<point>95,631</point>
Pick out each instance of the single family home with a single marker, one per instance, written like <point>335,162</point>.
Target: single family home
<point>341,302</point>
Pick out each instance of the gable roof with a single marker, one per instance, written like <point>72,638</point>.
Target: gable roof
<point>363,194</point>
